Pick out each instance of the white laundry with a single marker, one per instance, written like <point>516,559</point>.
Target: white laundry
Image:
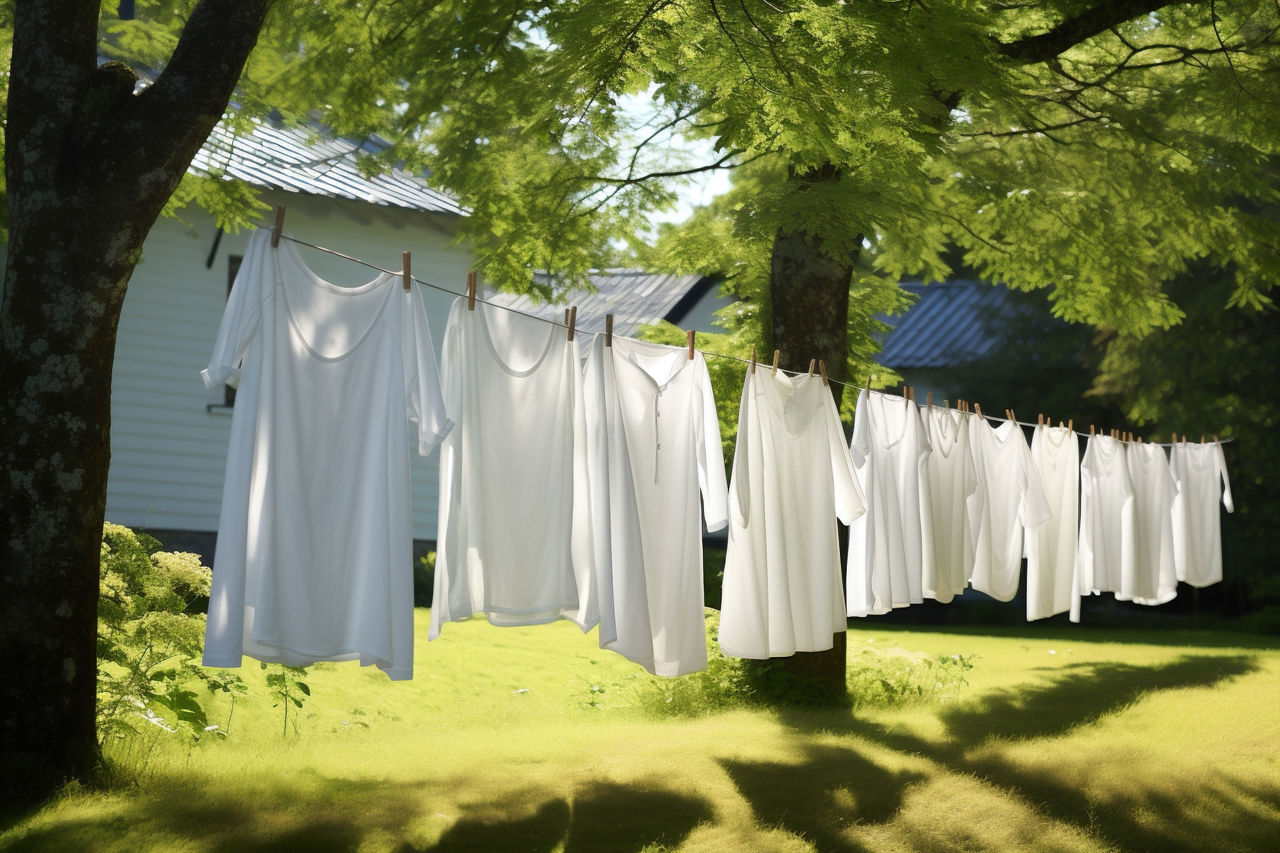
<point>953,484</point>
<point>891,545</point>
<point>792,477</point>
<point>1200,471</point>
<point>1051,547</point>
<point>654,445</point>
<point>1155,578</point>
<point>515,521</point>
<point>1105,552</point>
<point>314,558</point>
<point>1012,500</point>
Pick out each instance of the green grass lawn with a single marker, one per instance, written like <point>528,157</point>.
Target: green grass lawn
<point>534,739</point>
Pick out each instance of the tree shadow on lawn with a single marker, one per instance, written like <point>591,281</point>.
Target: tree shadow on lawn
<point>321,814</point>
<point>1153,812</point>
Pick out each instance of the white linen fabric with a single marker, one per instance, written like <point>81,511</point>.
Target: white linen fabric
<point>1200,471</point>
<point>1155,578</point>
<point>1051,547</point>
<point>515,521</point>
<point>654,445</point>
<point>891,545</point>
<point>792,476</point>
<point>953,485</point>
<point>1105,552</point>
<point>1012,500</point>
<point>314,558</point>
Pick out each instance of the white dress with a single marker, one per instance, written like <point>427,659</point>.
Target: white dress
<point>654,444</point>
<point>1155,578</point>
<point>1105,552</point>
<point>792,477</point>
<point>314,557</point>
<point>1201,474</point>
<point>953,484</point>
<point>1012,500</point>
<point>1051,547</point>
<point>891,545</point>
<point>515,521</point>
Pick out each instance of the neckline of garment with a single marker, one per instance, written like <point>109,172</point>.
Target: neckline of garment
<point>291,252</point>
<point>630,343</point>
<point>1063,435</point>
<point>884,401</point>
<point>795,386</point>
<point>956,420</point>
<point>497,356</point>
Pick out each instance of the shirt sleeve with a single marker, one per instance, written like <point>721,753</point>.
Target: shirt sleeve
<point>1035,509</point>
<point>1221,462</point>
<point>424,398</point>
<point>715,494</point>
<point>243,313</point>
<point>738,483</point>
<point>850,501</point>
<point>596,399</point>
<point>859,448</point>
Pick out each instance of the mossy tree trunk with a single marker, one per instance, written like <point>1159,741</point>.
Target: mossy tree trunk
<point>89,165</point>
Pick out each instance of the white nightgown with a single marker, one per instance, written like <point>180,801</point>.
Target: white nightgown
<point>1105,553</point>
<point>314,557</point>
<point>1155,578</point>
<point>1012,500</point>
<point>891,545</point>
<point>953,484</point>
<point>1200,471</point>
<point>792,477</point>
<point>515,520</point>
<point>1051,547</point>
<point>654,444</point>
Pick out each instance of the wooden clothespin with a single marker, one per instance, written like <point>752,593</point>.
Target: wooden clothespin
<point>1009,414</point>
<point>752,367</point>
<point>1202,438</point>
<point>1040,419</point>
<point>471,290</point>
<point>911,392</point>
<point>690,334</point>
<point>946,404</point>
<point>608,330</point>
<point>822,368</point>
<point>279,227</point>
<point>977,407</point>
<point>1139,439</point>
<point>813,362</point>
<point>1215,440</point>
<point>1070,423</point>
<point>404,270</point>
<point>776,355</point>
<point>573,320</point>
<point>1174,438</point>
<point>869,375</point>
<point>928,400</point>
<point>1092,431</point>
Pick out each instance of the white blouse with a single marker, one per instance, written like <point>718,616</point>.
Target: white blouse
<point>1105,553</point>
<point>1155,578</point>
<point>1051,547</point>
<point>953,486</point>
<point>314,558</point>
<point>654,445</point>
<point>792,477</point>
<point>1201,474</point>
<point>515,521</point>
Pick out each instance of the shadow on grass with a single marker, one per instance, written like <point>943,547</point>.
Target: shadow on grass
<point>820,798</point>
<point>339,814</point>
<point>1153,813</point>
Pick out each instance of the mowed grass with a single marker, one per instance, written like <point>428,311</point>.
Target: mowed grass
<point>534,739</point>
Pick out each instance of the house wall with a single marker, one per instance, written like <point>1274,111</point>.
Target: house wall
<point>169,433</point>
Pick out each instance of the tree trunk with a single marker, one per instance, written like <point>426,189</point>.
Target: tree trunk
<point>809,297</point>
<point>89,166</point>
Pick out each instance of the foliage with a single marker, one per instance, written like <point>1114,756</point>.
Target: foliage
<point>424,579</point>
<point>875,678</point>
<point>289,691</point>
<point>150,634</point>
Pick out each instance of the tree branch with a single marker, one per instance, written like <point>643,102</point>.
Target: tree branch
<point>1073,31</point>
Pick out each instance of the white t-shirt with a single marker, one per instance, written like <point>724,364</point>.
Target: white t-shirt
<point>792,477</point>
<point>314,558</point>
<point>1051,547</point>
<point>1197,526</point>
<point>654,444</point>
<point>953,483</point>
<point>1154,579</point>
<point>1105,551</point>
<point>515,520</point>
<point>891,545</point>
<point>1011,500</point>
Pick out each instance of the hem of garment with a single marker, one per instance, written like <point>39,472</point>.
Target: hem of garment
<point>662,669</point>
<point>428,446</point>
<point>732,654</point>
<point>538,617</point>
<point>215,377</point>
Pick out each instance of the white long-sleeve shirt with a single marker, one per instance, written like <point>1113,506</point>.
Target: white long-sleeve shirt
<point>1201,474</point>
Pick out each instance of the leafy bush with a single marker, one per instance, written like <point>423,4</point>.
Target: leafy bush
<point>424,579</point>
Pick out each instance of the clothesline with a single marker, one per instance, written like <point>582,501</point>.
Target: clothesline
<point>707,353</point>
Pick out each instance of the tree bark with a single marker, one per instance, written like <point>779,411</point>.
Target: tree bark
<point>89,166</point>
<point>809,299</point>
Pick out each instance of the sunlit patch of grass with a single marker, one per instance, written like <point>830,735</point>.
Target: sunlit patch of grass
<point>1061,739</point>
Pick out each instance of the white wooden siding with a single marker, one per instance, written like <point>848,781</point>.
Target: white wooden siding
<point>168,452</point>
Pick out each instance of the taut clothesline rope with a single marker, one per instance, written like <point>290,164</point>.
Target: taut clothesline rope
<point>706,353</point>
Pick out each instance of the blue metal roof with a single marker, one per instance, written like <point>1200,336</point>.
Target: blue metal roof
<point>299,160</point>
<point>634,297</point>
<point>947,325</point>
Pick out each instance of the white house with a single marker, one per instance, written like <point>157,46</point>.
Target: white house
<point>169,434</point>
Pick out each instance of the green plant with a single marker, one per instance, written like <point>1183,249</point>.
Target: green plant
<point>287,689</point>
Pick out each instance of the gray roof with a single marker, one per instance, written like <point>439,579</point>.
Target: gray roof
<point>947,325</point>
<point>634,297</point>
<point>297,160</point>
